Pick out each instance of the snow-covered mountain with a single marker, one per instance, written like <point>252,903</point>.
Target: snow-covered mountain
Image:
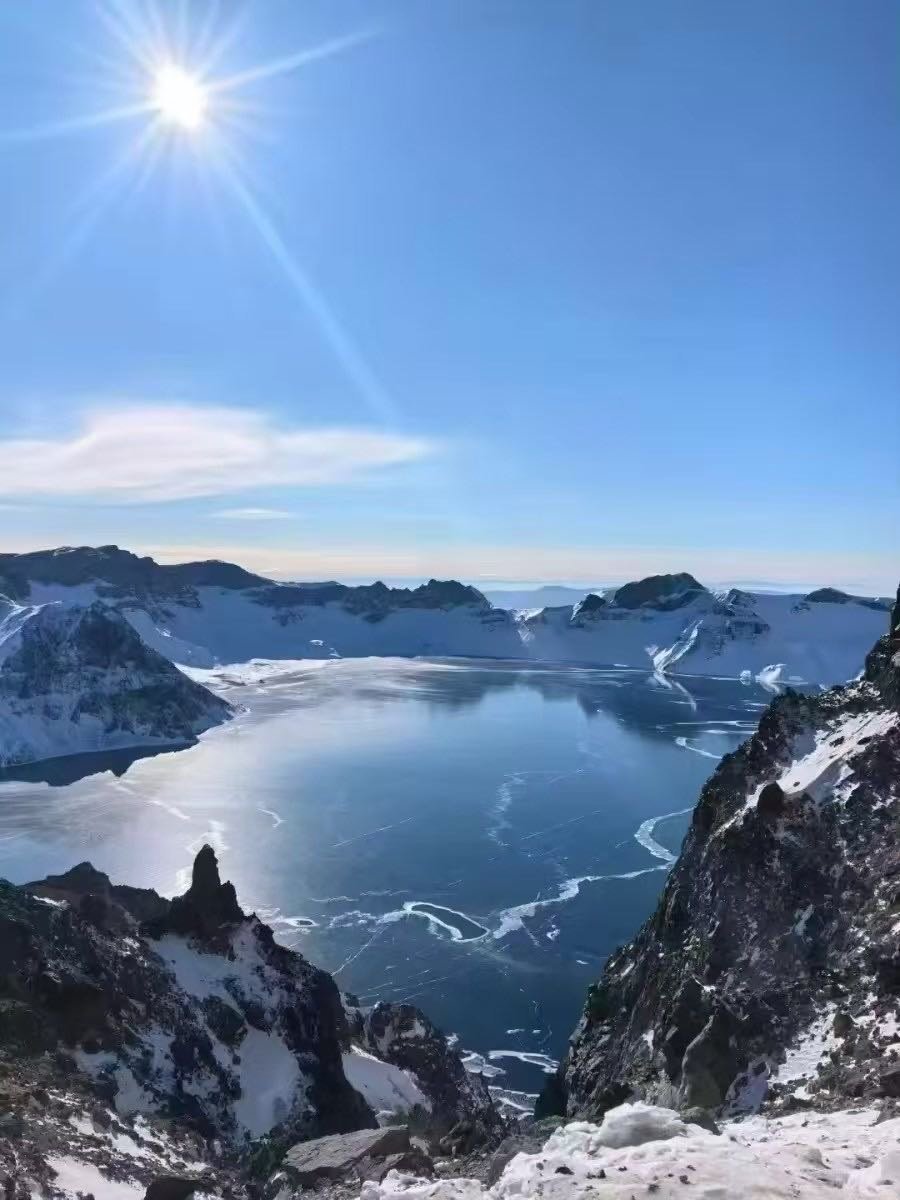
<point>76,679</point>
<point>673,623</point>
<point>209,613</point>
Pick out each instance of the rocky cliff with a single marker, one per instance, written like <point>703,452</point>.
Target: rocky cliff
<point>184,1030</point>
<point>770,971</point>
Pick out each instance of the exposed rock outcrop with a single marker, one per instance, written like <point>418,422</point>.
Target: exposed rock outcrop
<point>206,908</point>
<point>662,592</point>
<point>189,1011</point>
<point>772,962</point>
<point>119,571</point>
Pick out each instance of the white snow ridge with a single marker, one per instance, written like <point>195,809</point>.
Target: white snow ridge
<point>641,1150</point>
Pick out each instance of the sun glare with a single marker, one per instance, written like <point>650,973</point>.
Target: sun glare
<point>179,98</point>
<point>172,83</point>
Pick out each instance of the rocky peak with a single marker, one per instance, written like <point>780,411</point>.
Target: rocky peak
<point>663,592</point>
<point>589,607</point>
<point>830,595</point>
<point>89,892</point>
<point>827,595</point>
<point>207,905</point>
<point>120,572</point>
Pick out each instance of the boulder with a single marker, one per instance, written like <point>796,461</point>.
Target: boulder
<point>413,1161</point>
<point>700,1116</point>
<point>172,1187</point>
<point>333,1157</point>
<point>771,801</point>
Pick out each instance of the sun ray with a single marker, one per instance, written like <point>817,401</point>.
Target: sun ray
<point>130,158</point>
<point>212,49</point>
<point>109,116</point>
<point>290,62</point>
<point>340,342</point>
<point>87,212</point>
<point>142,43</point>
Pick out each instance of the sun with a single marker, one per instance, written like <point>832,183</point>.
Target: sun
<point>180,98</point>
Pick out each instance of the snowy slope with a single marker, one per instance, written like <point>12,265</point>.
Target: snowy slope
<point>208,614</point>
<point>717,634</point>
<point>641,1150</point>
<point>821,643</point>
<point>75,680</point>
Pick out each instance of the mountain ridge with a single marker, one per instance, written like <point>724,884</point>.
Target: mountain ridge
<point>212,613</point>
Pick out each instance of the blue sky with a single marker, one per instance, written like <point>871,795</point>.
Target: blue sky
<point>514,289</point>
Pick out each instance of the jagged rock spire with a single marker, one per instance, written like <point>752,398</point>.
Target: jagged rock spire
<point>208,904</point>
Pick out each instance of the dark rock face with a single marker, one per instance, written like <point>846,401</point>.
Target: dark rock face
<point>830,595</point>
<point>206,906</point>
<point>119,569</point>
<point>778,911</point>
<point>413,1161</point>
<point>589,607</point>
<point>113,907</point>
<point>172,1187</point>
<point>662,592</point>
<point>827,595</point>
<point>771,802</point>
<point>370,600</point>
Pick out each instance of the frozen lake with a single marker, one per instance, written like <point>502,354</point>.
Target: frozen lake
<point>475,837</point>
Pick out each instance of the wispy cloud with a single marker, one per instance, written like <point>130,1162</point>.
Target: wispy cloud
<point>141,453</point>
<point>253,514</point>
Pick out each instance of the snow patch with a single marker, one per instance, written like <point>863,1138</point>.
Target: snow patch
<point>387,1089</point>
<point>640,1149</point>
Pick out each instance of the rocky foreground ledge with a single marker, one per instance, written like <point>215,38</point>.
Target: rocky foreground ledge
<point>143,1038</point>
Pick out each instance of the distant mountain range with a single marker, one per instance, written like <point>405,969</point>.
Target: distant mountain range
<point>58,694</point>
